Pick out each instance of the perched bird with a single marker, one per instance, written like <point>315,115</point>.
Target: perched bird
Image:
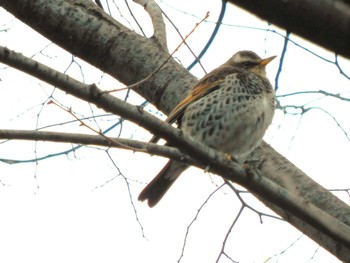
<point>229,110</point>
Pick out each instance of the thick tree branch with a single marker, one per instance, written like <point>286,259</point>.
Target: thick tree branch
<point>324,22</point>
<point>257,184</point>
<point>228,170</point>
<point>106,44</point>
<point>98,39</point>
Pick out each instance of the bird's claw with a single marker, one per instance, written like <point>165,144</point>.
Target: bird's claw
<point>230,157</point>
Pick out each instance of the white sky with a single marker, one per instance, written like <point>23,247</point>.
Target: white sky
<point>76,208</point>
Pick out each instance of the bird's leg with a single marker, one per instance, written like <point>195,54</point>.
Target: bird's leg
<point>247,165</point>
<point>251,162</point>
<point>230,157</point>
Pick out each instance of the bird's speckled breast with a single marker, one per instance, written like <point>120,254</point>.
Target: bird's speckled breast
<point>233,118</point>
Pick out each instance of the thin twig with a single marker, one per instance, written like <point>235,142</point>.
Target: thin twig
<point>244,203</point>
<point>184,41</point>
<point>228,232</point>
<point>212,36</point>
<point>341,71</point>
<point>284,250</point>
<point>194,219</point>
<point>283,54</point>
<point>129,191</point>
<point>94,130</point>
<point>334,95</point>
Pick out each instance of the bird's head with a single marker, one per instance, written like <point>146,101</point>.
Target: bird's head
<point>250,61</point>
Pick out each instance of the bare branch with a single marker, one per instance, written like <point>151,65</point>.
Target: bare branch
<point>157,19</point>
<point>283,54</point>
<point>253,181</point>
<point>303,109</point>
<point>245,205</point>
<point>212,36</point>
<point>336,62</point>
<point>93,36</point>
<point>195,219</point>
<point>137,84</point>
<point>318,21</point>
<point>337,95</point>
<point>284,250</point>
<point>129,191</point>
<point>185,42</point>
<point>346,190</point>
<point>222,252</point>
<point>334,119</point>
<point>85,139</point>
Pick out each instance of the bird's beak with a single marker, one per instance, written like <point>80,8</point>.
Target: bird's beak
<point>266,61</point>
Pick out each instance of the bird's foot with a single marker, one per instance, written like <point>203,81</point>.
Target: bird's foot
<point>230,157</point>
<point>248,169</point>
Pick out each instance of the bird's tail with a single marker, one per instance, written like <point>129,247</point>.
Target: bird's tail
<point>156,189</point>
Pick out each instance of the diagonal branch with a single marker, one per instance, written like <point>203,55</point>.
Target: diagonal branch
<point>252,180</point>
<point>83,29</point>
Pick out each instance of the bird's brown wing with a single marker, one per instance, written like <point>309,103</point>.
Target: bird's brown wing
<point>198,92</point>
<point>207,84</point>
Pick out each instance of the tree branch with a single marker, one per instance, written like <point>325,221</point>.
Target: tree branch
<point>157,20</point>
<point>251,181</point>
<point>89,33</point>
<point>320,21</point>
<point>257,184</point>
<point>98,39</point>
<point>86,139</point>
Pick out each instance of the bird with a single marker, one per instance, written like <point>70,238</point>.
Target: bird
<point>229,109</point>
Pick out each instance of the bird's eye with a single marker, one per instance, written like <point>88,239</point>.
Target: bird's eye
<point>247,64</point>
